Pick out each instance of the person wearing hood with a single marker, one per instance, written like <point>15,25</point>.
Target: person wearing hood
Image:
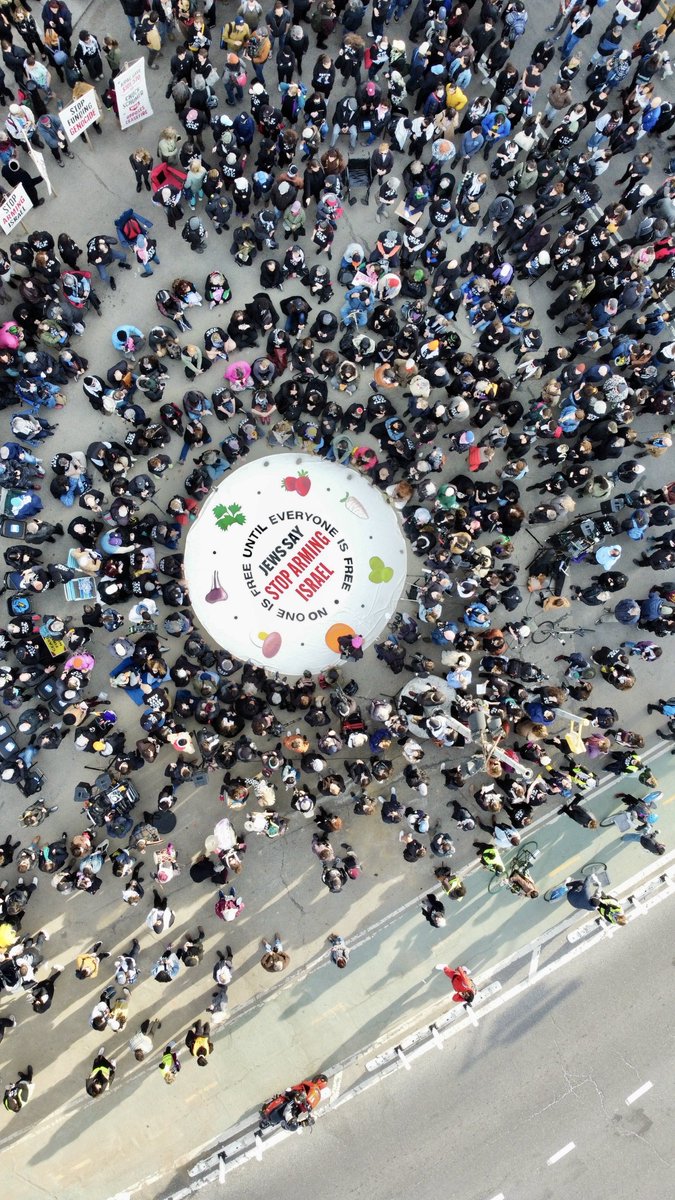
<point>195,235</point>
<point>16,174</point>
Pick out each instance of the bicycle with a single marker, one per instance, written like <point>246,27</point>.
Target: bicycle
<point>592,868</point>
<point>548,629</point>
<point>627,818</point>
<point>521,862</point>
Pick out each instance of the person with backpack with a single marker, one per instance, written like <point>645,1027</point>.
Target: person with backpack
<point>147,34</point>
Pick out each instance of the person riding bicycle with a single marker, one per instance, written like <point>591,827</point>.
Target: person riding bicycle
<point>588,894</point>
<point>610,910</point>
<point>642,808</point>
<point>490,858</point>
<point>520,881</point>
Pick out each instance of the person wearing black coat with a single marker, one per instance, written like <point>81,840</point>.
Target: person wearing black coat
<point>296,310</point>
<point>16,174</point>
<point>262,312</point>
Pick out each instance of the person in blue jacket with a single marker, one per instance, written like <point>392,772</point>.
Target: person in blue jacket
<point>494,127</point>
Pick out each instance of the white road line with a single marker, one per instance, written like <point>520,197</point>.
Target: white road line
<point>534,962</point>
<point>499,1197</point>
<point>646,1087</point>
<point>561,1154</point>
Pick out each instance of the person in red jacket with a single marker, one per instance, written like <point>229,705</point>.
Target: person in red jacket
<point>465,988</point>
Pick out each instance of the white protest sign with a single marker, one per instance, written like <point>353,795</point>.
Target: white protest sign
<point>14,208</point>
<point>131,89</point>
<point>79,115</point>
<point>39,160</point>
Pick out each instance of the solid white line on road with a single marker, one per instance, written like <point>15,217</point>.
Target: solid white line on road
<point>561,1154</point>
<point>646,1087</point>
<point>534,962</point>
<point>335,1085</point>
<point>499,1197</point>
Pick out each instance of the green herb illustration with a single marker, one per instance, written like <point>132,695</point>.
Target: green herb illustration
<point>228,515</point>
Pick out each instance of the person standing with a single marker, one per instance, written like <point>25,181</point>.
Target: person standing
<point>169,1063</point>
<point>87,964</point>
<point>339,951</point>
<point>274,958</point>
<point>100,254</point>
<point>141,1043</point>
<point>16,174</point>
<point>199,1043</point>
<point>141,162</point>
<point>88,51</point>
<point>433,911</point>
<point>133,11</point>
<point>19,1093</point>
<point>465,988</point>
<point>101,1075</point>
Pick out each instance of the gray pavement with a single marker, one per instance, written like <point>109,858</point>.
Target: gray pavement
<point>274,1034</point>
<point>315,1019</point>
<point>553,1071</point>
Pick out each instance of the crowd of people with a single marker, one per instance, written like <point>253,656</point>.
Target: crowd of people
<point>421,362</point>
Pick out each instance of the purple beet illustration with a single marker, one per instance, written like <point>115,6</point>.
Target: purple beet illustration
<point>217,592</point>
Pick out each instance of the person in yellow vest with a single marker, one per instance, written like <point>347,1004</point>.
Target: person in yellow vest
<point>8,936</point>
<point>198,1042</point>
<point>18,1094</point>
<point>169,1064</point>
<point>101,1075</point>
<point>490,858</point>
<point>610,910</point>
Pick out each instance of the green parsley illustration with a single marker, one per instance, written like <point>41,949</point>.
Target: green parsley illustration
<point>228,515</point>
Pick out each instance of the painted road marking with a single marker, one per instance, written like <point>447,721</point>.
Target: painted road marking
<point>646,1087</point>
<point>499,1197</point>
<point>534,962</point>
<point>561,1154</point>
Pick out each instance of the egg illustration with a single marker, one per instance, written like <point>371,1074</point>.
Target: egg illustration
<point>338,630</point>
<point>270,642</point>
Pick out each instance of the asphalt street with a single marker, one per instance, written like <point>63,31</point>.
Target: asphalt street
<point>280,884</point>
<point>314,1019</point>
<point>567,1092</point>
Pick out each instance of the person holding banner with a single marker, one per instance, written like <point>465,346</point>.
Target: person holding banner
<point>15,174</point>
<point>21,127</point>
